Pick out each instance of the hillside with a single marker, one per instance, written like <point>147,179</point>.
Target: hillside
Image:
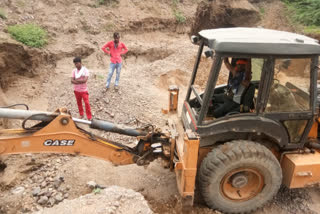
<point>160,53</point>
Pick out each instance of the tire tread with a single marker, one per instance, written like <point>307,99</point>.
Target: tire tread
<point>229,152</point>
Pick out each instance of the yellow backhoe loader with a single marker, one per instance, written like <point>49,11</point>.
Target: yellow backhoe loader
<point>238,160</point>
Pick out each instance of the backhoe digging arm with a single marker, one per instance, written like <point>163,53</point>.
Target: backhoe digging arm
<point>58,133</point>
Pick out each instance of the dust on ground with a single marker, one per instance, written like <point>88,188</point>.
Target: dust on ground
<point>160,54</point>
<point>113,199</point>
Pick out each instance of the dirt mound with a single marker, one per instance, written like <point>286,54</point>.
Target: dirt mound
<point>149,55</point>
<point>83,50</point>
<point>221,13</point>
<point>18,59</point>
<point>315,36</point>
<point>113,199</point>
<point>275,11</point>
<point>152,24</point>
<point>181,78</point>
<point>175,77</point>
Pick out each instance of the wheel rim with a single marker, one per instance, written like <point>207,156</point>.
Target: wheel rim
<point>242,184</point>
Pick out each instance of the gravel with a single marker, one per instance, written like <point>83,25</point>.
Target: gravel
<point>113,199</point>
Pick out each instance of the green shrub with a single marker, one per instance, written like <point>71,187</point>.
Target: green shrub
<point>96,190</point>
<point>108,2</point>
<point>180,18</point>
<point>101,2</point>
<point>312,30</point>
<point>175,3</point>
<point>2,14</point>
<point>29,34</point>
<point>306,12</point>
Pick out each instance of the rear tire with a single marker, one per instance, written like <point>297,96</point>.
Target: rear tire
<point>239,177</point>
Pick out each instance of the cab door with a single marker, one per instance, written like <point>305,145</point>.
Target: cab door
<point>290,98</point>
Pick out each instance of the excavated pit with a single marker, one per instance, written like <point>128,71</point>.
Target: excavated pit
<point>221,14</point>
<point>146,64</point>
<point>152,24</point>
<point>149,55</point>
<point>174,77</point>
<point>16,59</point>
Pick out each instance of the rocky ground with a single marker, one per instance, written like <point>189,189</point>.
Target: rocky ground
<point>113,199</point>
<point>160,54</point>
<point>43,186</point>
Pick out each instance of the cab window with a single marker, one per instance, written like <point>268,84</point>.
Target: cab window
<point>290,89</point>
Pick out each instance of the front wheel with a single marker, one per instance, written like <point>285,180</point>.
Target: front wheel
<point>239,177</point>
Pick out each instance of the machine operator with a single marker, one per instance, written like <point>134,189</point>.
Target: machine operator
<point>239,79</point>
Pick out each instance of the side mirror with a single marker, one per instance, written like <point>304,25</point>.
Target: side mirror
<point>194,39</point>
<point>208,53</point>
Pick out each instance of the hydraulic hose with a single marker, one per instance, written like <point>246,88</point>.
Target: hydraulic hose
<point>47,117</point>
<point>111,127</point>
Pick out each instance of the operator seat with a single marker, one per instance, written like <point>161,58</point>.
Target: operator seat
<point>246,103</point>
<point>247,99</point>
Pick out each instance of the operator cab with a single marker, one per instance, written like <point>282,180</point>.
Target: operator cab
<point>283,74</point>
<point>246,99</point>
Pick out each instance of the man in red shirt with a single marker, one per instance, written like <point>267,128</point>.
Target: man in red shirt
<point>115,49</point>
<point>79,80</point>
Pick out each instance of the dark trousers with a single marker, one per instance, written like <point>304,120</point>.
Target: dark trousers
<point>223,104</point>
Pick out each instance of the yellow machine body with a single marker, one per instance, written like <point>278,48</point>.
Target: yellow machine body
<point>301,170</point>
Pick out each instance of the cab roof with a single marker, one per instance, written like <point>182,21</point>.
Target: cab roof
<point>259,41</point>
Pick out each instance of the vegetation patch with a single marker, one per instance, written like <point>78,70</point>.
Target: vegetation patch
<point>180,17</point>
<point>312,29</point>
<point>96,191</point>
<point>21,3</point>
<point>98,3</point>
<point>29,34</point>
<point>306,12</point>
<point>2,14</point>
<point>100,76</point>
<point>110,27</point>
<point>102,2</point>
<point>107,2</point>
